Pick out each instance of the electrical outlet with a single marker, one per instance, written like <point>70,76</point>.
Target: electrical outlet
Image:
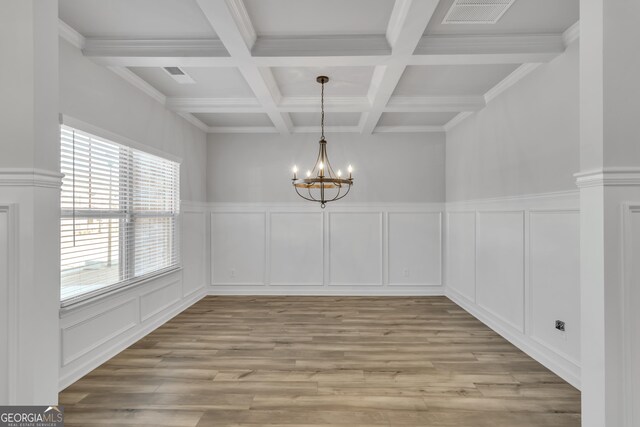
<point>560,325</point>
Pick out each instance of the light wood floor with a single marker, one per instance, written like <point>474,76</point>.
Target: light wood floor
<point>322,361</point>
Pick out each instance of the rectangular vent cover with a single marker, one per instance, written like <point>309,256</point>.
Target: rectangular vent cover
<point>476,11</point>
<point>178,75</point>
<point>174,71</point>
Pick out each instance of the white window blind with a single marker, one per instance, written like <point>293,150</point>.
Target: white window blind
<point>119,216</point>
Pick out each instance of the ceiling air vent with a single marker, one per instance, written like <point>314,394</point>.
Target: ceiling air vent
<point>476,11</point>
<point>178,75</point>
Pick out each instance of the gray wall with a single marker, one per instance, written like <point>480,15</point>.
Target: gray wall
<point>246,168</point>
<point>95,95</point>
<point>525,141</point>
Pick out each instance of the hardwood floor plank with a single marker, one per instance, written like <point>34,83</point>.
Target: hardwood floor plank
<point>322,361</point>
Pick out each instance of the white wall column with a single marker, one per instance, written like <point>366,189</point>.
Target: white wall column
<point>609,184</point>
<point>29,202</point>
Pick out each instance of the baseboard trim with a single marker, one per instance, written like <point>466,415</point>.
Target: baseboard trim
<point>122,344</point>
<point>388,291</point>
<point>562,367</point>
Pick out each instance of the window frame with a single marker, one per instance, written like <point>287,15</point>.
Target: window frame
<point>127,215</point>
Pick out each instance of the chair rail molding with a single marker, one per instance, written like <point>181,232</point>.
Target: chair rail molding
<point>21,177</point>
<point>609,177</point>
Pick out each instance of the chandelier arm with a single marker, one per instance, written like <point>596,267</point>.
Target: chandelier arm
<point>337,196</point>
<point>306,198</point>
<point>344,195</point>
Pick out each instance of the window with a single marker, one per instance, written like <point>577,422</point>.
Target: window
<point>119,215</point>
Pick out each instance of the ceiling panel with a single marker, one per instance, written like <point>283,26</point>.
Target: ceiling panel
<point>524,16</point>
<point>313,17</point>
<point>451,80</point>
<point>330,119</point>
<point>415,119</point>
<point>225,82</point>
<point>234,119</point>
<point>343,81</point>
<point>136,18</point>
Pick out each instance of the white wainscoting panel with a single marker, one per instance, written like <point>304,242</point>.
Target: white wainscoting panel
<point>355,248</point>
<point>4,307</point>
<point>78,339</point>
<point>461,253</point>
<point>156,301</point>
<point>296,246</point>
<point>346,249</point>
<point>631,315</point>
<point>519,257</point>
<point>195,260</point>
<point>554,278</point>
<point>415,248</point>
<point>500,265</point>
<point>238,248</point>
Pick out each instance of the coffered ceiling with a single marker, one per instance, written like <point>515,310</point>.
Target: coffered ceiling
<point>250,65</point>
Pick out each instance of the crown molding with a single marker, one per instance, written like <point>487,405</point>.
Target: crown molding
<point>609,177</point>
<point>69,34</point>
<point>571,34</point>
<point>139,83</point>
<point>28,177</point>
<point>456,120</point>
<point>194,121</point>
<point>513,78</point>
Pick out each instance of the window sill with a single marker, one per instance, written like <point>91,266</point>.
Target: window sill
<point>81,301</point>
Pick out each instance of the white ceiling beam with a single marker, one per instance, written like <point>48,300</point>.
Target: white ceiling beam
<point>349,45</point>
<point>327,129</point>
<point>156,53</point>
<point>408,129</point>
<point>429,104</point>
<point>409,21</point>
<point>214,105</point>
<point>242,129</point>
<point>487,49</point>
<point>230,21</point>
<point>332,104</point>
<point>326,51</point>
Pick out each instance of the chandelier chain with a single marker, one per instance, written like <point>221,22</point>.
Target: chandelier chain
<point>322,111</point>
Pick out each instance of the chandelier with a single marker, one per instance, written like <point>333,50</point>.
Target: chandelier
<point>322,184</point>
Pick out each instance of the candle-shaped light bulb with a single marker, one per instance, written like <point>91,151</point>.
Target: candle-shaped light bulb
<point>350,169</point>
<point>308,174</point>
<point>295,171</point>
<point>339,173</point>
<point>321,165</point>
